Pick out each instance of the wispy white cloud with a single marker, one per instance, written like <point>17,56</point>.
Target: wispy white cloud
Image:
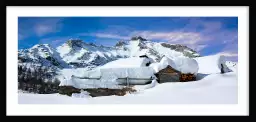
<point>191,39</point>
<point>47,26</point>
<point>43,29</point>
<point>22,33</point>
<point>38,27</point>
<point>198,47</point>
<point>21,36</point>
<point>228,54</point>
<point>174,36</point>
<point>105,35</point>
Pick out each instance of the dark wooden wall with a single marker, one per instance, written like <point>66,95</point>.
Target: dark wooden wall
<point>168,75</point>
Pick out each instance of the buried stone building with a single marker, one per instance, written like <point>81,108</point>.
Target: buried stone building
<point>170,74</point>
<point>180,69</point>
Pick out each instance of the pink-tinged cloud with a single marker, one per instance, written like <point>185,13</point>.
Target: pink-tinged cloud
<point>191,39</point>
<point>197,34</point>
<point>228,54</point>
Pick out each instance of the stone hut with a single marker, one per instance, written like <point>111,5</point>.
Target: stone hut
<point>170,74</point>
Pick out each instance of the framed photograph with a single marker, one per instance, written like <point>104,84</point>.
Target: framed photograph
<point>131,60</point>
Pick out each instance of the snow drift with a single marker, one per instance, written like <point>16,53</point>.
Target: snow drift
<point>165,61</point>
<point>212,64</point>
<point>132,70</point>
<point>182,64</point>
<point>186,65</point>
<point>128,63</point>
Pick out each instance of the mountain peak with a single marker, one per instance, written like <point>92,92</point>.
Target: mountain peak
<point>75,42</point>
<point>120,43</point>
<point>41,45</point>
<point>138,38</point>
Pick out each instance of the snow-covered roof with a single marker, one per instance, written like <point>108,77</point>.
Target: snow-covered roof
<point>128,63</point>
<point>186,65</point>
<point>100,77</point>
<point>182,64</point>
<point>165,61</point>
<point>121,71</point>
<point>140,72</point>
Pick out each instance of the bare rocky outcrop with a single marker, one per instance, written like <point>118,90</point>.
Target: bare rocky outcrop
<point>96,92</point>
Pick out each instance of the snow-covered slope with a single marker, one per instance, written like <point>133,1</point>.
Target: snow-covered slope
<point>80,54</point>
<point>212,63</point>
<point>186,65</point>
<point>42,53</point>
<point>41,56</point>
<point>128,63</point>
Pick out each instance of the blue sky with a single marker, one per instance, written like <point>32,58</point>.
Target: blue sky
<point>207,35</point>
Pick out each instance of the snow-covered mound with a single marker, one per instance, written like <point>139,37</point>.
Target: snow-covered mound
<point>140,73</point>
<point>115,72</point>
<point>165,61</point>
<point>128,63</point>
<point>83,94</point>
<point>139,70</point>
<point>212,64</point>
<point>186,65</point>
<point>182,64</point>
<point>66,74</point>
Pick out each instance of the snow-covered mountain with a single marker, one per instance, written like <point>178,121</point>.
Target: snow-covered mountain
<point>76,53</point>
<point>79,54</point>
<point>43,54</point>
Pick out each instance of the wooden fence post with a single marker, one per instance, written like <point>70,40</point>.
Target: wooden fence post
<point>127,81</point>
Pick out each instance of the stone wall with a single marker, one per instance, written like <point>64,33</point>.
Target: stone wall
<point>187,77</point>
